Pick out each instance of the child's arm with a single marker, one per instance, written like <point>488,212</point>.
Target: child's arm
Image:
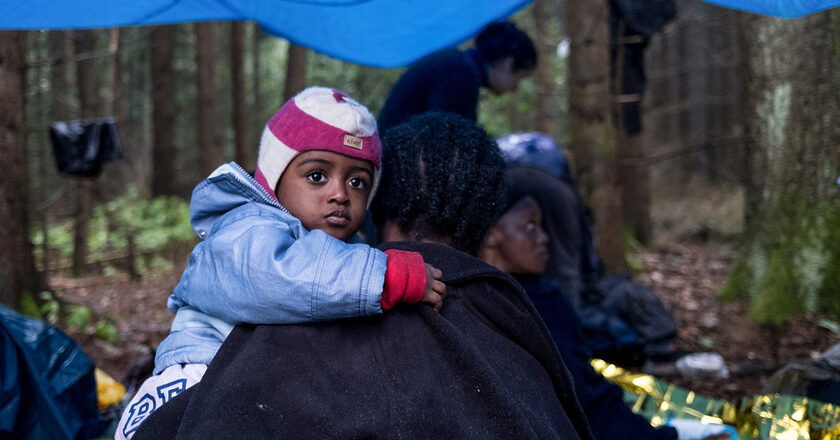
<point>409,279</point>
<point>264,274</point>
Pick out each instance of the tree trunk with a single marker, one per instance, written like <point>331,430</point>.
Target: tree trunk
<point>257,108</point>
<point>123,172</point>
<point>635,185</point>
<point>633,173</point>
<point>295,71</point>
<point>210,149</point>
<point>115,97</point>
<point>87,66</point>
<point>161,44</point>
<point>61,75</point>
<point>593,139</point>
<point>725,93</point>
<point>240,113</point>
<point>61,99</point>
<point>85,45</point>
<point>790,262</point>
<point>542,73</point>
<point>43,141</point>
<point>15,250</point>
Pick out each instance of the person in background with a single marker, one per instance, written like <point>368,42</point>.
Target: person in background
<point>624,322</point>
<point>517,244</point>
<point>449,80</point>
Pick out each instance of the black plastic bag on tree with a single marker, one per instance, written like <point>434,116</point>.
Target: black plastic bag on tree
<point>81,147</point>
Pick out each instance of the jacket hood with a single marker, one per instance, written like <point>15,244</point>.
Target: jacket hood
<point>226,189</point>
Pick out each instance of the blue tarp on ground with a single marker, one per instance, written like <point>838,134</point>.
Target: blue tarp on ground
<point>384,33</point>
<point>47,385</point>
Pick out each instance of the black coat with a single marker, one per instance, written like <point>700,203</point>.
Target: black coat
<point>602,401</point>
<point>485,367</point>
<point>445,81</point>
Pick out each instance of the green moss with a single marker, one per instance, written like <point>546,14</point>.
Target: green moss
<point>829,298</point>
<point>792,264</point>
<point>829,291</point>
<point>777,300</point>
<point>606,143</point>
<point>738,283</point>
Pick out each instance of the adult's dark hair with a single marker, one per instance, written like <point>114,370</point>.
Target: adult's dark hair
<point>502,39</point>
<point>443,178</point>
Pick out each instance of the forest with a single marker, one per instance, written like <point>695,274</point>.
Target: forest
<point>706,146</point>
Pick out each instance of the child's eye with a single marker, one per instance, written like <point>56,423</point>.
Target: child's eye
<point>358,182</point>
<point>315,176</point>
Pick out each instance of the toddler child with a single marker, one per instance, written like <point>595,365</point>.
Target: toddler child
<point>276,248</point>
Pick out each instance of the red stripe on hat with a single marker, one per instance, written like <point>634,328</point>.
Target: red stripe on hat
<point>260,178</point>
<point>301,131</point>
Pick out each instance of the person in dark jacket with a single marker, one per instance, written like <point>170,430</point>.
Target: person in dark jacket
<point>484,367</point>
<point>517,244</point>
<point>624,322</point>
<point>450,80</point>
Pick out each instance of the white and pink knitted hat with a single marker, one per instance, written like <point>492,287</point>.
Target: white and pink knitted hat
<point>317,118</point>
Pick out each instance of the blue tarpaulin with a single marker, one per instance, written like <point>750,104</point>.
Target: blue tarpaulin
<point>384,33</point>
<point>47,385</point>
<point>779,8</point>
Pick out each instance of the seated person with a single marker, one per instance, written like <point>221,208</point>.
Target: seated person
<point>624,322</point>
<point>484,367</point>
<point>517,244</point>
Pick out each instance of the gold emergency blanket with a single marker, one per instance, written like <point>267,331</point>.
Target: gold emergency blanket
<point>109,392</point>
<point>767,417</point>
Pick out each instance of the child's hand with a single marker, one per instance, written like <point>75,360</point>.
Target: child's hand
<point>435,289</point>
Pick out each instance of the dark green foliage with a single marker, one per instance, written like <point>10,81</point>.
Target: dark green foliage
<point>155,224</point>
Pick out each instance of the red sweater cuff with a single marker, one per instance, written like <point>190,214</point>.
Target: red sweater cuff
<point>405,278</point>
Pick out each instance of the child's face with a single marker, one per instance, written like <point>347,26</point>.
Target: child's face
<point>327,191</point>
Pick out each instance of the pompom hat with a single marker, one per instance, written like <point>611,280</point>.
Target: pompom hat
<point>318,118</point>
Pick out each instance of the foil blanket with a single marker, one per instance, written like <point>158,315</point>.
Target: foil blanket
<point>760,417</point>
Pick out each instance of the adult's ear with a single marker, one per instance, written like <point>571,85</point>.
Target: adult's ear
<point>489,250</point>
<point>493,238</point>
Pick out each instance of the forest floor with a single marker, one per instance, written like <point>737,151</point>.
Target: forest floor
<point>686,277</point>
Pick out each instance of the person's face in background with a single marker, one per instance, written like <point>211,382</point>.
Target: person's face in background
<point>519,241</point>
<point>503,78</point>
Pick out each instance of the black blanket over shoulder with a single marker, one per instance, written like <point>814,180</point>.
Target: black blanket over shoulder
<point>485,367</point>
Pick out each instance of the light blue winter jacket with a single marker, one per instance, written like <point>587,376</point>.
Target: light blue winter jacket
<point>256,263</point>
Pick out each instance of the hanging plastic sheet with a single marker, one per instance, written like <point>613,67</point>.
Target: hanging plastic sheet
<point>81,147</point>
<point>763,417</point>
